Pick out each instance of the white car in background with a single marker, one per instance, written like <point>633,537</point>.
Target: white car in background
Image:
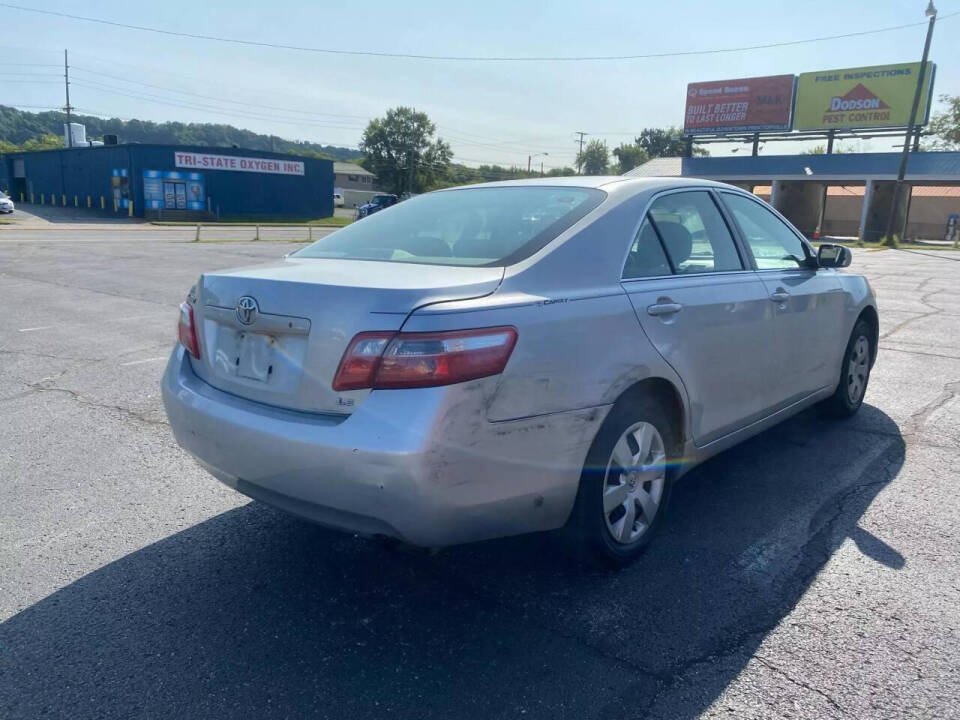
<point>337,198</point>
<point>6,204</point>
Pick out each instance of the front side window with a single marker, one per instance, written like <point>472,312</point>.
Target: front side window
<point>694,233</point>
<point>474,226</point>
<point>774,245</point>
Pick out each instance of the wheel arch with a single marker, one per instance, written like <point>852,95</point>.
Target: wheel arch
<point>667,395</point>
<point>869,314</point>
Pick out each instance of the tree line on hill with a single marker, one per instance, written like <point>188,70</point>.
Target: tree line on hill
<point>21,130</point>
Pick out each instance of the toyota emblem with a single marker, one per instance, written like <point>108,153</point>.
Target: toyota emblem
<point>247,310</point>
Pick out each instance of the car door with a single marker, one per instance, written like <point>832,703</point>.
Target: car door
<point>807,302</point>
<point>702,307</point>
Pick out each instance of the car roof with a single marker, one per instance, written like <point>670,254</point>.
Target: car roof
<point>607,182</point>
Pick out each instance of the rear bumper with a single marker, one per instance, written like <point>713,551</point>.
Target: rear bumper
<point>421,465</point>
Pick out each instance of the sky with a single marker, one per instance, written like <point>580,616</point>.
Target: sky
<point>489,112</point>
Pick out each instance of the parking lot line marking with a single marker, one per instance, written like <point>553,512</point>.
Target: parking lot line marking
<point>42,327</point>
<point>138,362</point>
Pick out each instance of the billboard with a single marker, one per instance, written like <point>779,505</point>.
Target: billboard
<point>760,104</point>
<point>866,97</point>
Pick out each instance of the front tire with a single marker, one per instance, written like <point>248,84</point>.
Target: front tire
<point>625,484</point>
<point>857,362</point>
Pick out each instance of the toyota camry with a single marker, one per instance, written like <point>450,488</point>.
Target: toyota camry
<point>515,357</point>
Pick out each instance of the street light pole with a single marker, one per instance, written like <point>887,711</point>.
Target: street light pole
<point>931,12</point>
<point>530,160</point>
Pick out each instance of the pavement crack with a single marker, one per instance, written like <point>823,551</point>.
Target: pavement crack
<point>919,418</point>
<point>887,348</point>
<point>925,301</point>
<point>903,323</point>
<point>51,356</point>
<point>47,386</point>
<point>800,683</point>
<point>30,278</point>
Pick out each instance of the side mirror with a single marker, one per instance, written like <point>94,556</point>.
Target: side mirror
<point>833,256</point>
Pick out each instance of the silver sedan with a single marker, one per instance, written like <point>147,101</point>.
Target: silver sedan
<point>516,357</point>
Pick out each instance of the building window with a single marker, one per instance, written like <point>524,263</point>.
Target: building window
<point>352,178</point>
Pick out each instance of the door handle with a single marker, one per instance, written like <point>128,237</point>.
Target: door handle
<point>780,296</point>
<point>664,309</point>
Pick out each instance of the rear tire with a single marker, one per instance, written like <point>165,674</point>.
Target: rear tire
<point>855,374</point>
<point>625,484</point>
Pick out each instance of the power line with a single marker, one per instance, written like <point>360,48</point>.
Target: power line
<point>235,112</point>
<point>213,97</point>
<point>452,133</point>
<point>455,139</point>
<point>468,58</point>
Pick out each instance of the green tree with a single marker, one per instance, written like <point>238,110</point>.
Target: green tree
<point>666,142</point>
<point>595,158</point>
<point>47,141</point>
<point>945,125</point>
<point>822,150</point>
<point>401,137</point>
<point>629,156</point>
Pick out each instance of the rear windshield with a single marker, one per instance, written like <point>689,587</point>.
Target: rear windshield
<point>473,226</point>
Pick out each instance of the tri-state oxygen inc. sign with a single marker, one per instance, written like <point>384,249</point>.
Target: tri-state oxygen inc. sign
<point>236,163</point>
<point>866,97</point>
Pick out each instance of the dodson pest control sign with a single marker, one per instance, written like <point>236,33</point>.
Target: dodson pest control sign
<point>760,104</point>
<point>204,161</point>
<point>866,97</point>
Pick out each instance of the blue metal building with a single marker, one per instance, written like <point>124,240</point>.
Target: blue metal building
<point>173,181</point>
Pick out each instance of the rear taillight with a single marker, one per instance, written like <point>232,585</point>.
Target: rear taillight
<point>187,331</point>
<point>359,363</point>
<point>428,359</point>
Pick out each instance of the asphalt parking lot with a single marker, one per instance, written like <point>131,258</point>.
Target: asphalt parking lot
<point>812,572</point>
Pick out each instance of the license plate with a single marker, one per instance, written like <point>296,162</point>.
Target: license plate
<point>255,356</point>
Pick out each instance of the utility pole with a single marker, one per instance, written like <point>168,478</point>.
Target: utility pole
<point>931,12</point>
<point>410,179</point>
<point>580,154</point>
<point>67,108</point>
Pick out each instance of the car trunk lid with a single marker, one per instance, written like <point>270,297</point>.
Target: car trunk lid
<point>276,333</point>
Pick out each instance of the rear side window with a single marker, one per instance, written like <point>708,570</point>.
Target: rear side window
<point>647,257</point>
<point>774,245</point>
<point>694,233</point>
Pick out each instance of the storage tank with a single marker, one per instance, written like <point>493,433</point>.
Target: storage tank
<point>76,131</point>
